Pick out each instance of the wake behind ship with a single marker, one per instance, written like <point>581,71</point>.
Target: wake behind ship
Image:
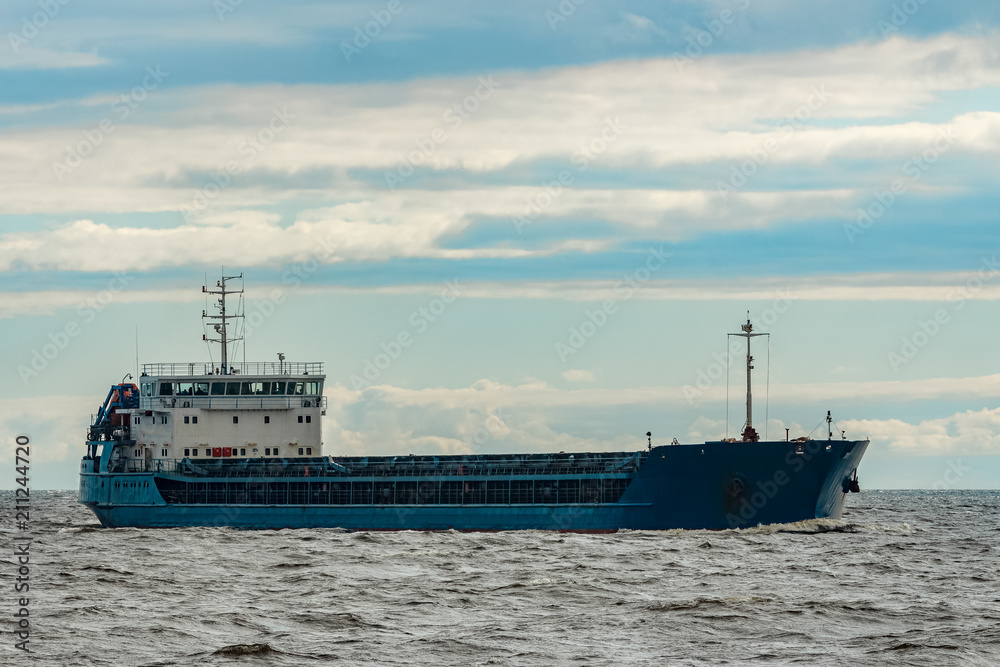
<point>240,445</point>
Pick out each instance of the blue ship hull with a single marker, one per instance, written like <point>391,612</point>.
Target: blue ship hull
<point>715,485</point>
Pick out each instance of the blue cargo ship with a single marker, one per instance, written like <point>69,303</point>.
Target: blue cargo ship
<point>240,445</point>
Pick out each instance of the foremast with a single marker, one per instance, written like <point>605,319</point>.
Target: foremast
<point>221,327</point>
<point>749,433</point>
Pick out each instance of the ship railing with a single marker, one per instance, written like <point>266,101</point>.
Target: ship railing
<point>328,467</point>
<point>180,369</point>
<point>232,402</point>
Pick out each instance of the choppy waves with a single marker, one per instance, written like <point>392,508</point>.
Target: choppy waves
<point>904,578</point>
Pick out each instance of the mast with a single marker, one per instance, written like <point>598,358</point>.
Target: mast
<point>221,327</point>
<point>749,434</point>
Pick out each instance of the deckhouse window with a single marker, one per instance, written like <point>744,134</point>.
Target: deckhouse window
<point>300,451</point>
<point>267,419</point>
<point>252,389</point>
<point>187,420</point>
<point>309,419</point>
<point>236,419</point>
<point>194,420</point>
<point>300,419</point>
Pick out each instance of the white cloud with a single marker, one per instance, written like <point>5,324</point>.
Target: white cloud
<point>187,134</point>
<point>577,375</point>
<point>966,433</point>
<point>34,57</point>
<point>932,287</point>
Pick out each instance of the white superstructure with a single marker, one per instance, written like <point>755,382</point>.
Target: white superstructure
<point>227,410</point>
<point>256,410</point>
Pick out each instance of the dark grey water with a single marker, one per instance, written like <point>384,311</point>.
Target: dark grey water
<point>907,578</point>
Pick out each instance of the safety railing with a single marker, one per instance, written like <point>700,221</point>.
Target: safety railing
<point>182,369</point>
<point>389,467</point>
<point>232,402</point>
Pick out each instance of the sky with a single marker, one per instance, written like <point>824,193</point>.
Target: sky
<point>519,226</point>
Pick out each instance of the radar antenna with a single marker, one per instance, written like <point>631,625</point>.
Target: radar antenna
<point>221,327</point>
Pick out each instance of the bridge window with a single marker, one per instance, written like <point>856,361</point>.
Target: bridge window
<point>218,389</point>
<point>147,388</point>
<point>296,388</point>
<point>201,389</point>
<point>252,389</point>
<point>277,388</point>
<point>312,388</point>
<point>166,389</point>
<point>232,389</point>
<point>185,388</point>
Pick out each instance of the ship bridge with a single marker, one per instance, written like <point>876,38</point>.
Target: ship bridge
<point>241,410</point>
